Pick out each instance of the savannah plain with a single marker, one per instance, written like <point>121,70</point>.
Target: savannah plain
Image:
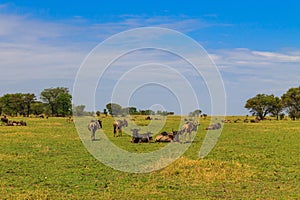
<point>47,160</point>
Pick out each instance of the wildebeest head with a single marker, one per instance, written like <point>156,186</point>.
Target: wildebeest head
<point>135,131</point>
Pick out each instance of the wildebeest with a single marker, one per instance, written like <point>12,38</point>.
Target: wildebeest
<point>16,123</point>
<point>138,138</point>
<point>167,137</point>
<point>214,126</point>
<point>118,126</point>
<point>188,128</point>
<point>4,119</point>
<point>93,126</point>
<point>254,120</point>
<point>148,118</point>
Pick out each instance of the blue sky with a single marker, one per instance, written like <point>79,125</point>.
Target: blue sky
<point>255,44</point>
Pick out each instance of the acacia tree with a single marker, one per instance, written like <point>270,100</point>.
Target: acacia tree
<point>277,107</point>
<point>18,103</point>
<point>58,99</point>
<point>114,109</point>
<point>260,105</point>
<point>291,101</point>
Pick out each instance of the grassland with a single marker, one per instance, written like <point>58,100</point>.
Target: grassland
<point>47,160</point>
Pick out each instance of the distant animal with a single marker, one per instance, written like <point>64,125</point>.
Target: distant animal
<point>69,120</point>
<point>148,118</point>
<point>4,119</point>
<point>16,123</point>
<point>214,126</point>
<point>237,120</point>
<point>254,120</point>
<point>226,121</point>
<point>188,128</point>
<point>93,126</point>
<point>118,126</point>
<point>139,138</point>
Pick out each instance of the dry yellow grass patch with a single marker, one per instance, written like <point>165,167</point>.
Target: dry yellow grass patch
<point>196,171</point>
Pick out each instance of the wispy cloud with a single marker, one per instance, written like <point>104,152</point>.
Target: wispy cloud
<point>34,49</point>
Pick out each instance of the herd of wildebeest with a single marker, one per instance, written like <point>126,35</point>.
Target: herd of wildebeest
<point>174,136</point>
<point>7,122</point>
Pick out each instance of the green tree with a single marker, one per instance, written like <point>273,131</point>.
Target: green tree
<point>105,111</point>
<point>28,100</point>
<point>79,110</point>
<point>37,108</point>
<point>277,107</point>
<point>64,104</point>
<point>17,104</point>
<point>260,105</point>
<point>291,101</point>
<point>114,109</point>
<point>51,97</point>
<point>133,110</point>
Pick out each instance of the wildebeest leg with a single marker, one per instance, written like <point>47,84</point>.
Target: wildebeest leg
<point>115,131</point>
<point>120,132</point>
<point>93,134</point>
<point>190,136</point>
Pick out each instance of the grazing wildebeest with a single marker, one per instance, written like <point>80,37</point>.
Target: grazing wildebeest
<point>118,126</point>
<point>138,138</point>
<point>188,128</point>
<point>214,126</point>
<point>93,126</point>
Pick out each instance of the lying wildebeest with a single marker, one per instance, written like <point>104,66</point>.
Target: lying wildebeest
<point>226,121</point>
<point>148,118</point>
<point>214,126</point>
<point>15,123</point>
<point>168,137</point>
<point>138,138</point>
<point>254,120</point>
<point>188,128</point>
<point>93,126</point>
<point>4,119</point>
<point>118,126</point>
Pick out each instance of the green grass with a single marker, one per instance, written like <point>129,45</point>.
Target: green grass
<point>47,160</point>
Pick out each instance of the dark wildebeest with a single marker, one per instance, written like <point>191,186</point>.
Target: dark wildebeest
<point>188,128</point>
<point>254,120</point>
<point>138,138</point>
<point>4,119</point>
<point>118,126</point>
<point>93,126</point>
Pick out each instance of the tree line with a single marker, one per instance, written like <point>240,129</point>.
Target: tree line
<point>115,109</point>
<point>262,105</point>
<point>53,102</point>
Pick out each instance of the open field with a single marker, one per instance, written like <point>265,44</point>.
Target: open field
<point>47,160</point>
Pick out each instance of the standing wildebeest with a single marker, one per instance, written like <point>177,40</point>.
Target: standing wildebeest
<point>188,128</point>
<point>93,126</point>
<point>118,126</point>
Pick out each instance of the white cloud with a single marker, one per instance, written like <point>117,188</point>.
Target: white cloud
<point>33,49</point>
